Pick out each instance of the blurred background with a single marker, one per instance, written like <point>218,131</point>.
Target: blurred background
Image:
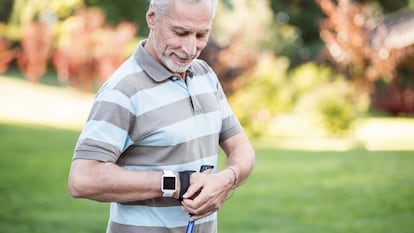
<point>324,89</point>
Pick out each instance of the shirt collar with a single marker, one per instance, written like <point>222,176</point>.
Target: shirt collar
<point>155,70</point>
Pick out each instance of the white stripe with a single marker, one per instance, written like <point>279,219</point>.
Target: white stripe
<point>159,96</point>
<point>184,131</point>
<point>127,68</point>
<point>146,216</point>
<point>105,132</point>
<point>193,165</point>
<point>202,84</point>
<point>225,108</point>
<point>116,97</point>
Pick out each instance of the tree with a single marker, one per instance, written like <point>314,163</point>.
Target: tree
<point>5,10</point>
<point>41,10</point>
<point>368,49</point>
<point>124,10</point>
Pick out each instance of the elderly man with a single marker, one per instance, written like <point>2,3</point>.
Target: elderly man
<point>156,120</point>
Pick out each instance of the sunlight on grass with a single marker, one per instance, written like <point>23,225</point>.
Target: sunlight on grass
<point>387,134</point>
<point>23,102</point>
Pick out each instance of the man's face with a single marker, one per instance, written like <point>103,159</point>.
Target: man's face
<point>181,34</point>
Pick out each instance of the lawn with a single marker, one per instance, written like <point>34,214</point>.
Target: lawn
<point>289,191</point>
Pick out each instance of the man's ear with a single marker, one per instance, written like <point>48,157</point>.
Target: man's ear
<point>151,17</point>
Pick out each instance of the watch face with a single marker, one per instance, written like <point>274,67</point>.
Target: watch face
<point>169,183</point>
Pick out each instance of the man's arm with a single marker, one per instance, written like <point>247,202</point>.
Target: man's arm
<point>107,182</point>
<point>208,192</point>
<point>241,157</point>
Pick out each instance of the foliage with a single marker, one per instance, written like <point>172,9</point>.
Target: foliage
<point>5,10</point>
<point>329,104</point>
<point>260,34</point>
<point>261,94</point>
<point>85,55</point>
<point>395,98</point>
<point>42,10</point>
<point>357,48</point>
<point>123,10</point>
<point>36,49</point>
<point>310,92</point>
<point>333,106</point>
<point>7,54</point>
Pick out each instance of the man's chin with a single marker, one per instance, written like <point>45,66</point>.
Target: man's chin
<point>177,68</point>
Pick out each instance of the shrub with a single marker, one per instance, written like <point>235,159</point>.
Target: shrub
<point>6,54</point>
<point>313,96</point>
<point>85,54</point>
<point>333,107</point>
<point>262,94</point>
<point>36,49</point>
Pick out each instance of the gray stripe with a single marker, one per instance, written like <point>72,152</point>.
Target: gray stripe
<point>161,117</point>
<point>96,150</point>
<point>170,155</point>
<point>153,68</point>
<point>199,67</point>
<point>134,83</point>
<point>155,202</point>
<point>231,126</point>
<point>168,115</point>
<point>145,124</point>
<point>113,114</point>
<point>207,227</point>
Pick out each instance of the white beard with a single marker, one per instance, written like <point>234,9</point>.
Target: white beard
<point>166,59</point>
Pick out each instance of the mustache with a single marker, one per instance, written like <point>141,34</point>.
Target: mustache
<point>181,54</point>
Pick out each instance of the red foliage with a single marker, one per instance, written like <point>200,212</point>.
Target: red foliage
<point>229,62</point>
<point>93,51</point>
<point>6,54</point>
<point>355,49</point>
<point>346,33</point>
<point>36,48</point>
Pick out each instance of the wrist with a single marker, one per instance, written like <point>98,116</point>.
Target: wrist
<point>177,191</point>
<point>184,177</point>
<point>234,177</point>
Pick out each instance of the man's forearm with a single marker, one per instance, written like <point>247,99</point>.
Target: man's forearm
<point>241,163</point>
<point>107,182</point>
<point>241,157</point>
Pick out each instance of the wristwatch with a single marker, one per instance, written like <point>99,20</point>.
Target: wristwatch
<point>168,183</point>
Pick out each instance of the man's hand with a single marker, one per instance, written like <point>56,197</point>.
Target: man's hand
<point>207,192</point>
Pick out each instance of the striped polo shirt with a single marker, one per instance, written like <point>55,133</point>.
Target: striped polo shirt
<point>145,118</point>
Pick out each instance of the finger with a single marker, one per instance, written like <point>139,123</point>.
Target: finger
<point>196,217</point>
<point>192,191</point>
<point>208,171</point>
<point>199,205</point>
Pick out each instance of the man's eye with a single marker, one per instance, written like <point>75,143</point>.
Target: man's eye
<point>201,35</point>
<point>181,33</point>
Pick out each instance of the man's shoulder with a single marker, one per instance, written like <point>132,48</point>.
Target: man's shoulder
<point>129,78</point>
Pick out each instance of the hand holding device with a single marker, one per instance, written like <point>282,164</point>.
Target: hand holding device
<point>190,225</point>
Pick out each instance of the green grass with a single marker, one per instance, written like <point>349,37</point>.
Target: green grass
<point>34,163</point>
<point>289,191</point>
<point>332,192</point>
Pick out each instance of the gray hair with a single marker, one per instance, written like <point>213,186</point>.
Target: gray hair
<point>161,6</point>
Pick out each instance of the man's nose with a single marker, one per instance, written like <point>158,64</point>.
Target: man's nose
<point>190,46</point>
